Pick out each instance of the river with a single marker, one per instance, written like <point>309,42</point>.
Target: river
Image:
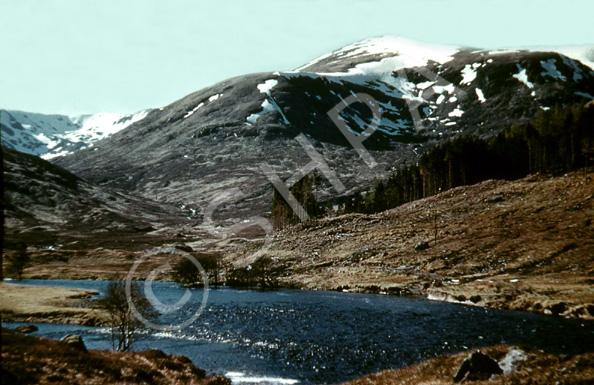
<point>305,337</point>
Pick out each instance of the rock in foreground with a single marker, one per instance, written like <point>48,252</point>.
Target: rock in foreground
<point>516,366</point>
<point>26,329</point>
<point>477,366</point>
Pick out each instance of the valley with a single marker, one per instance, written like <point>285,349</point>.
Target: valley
<point>446,182</point>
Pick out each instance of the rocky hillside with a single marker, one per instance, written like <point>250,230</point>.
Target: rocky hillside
<point>217,139</point>
<point>45,205</point>
<point>526,244</point>
<point>49,136</point>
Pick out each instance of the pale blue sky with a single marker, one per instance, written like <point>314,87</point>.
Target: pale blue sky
<point>86,56</point>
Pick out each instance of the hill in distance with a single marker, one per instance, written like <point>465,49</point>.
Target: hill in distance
<point>216,140</point>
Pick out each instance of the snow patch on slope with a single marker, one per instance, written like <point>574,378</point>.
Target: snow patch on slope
<point>98,126</point>
<point>509,363</point>
<point>523,76</point>
<point>194,110</point>
<point>480,95</point>
<point>469,73</point>
<point>551,69</point>
<point>269,104</point>
<point>49,136</point>
<point>267,86</point>
<point>456,113</point>
<point>583,54</point>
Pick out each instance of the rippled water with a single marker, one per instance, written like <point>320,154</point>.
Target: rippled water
<point>326,337</point>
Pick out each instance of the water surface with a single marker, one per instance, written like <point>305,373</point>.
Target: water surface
<point>290,336</point>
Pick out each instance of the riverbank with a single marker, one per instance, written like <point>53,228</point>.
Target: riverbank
<point>520,365</point>
<point>520,245</point>
<point>35,360</point>
<point>44,304</point>
<point>340,336</point>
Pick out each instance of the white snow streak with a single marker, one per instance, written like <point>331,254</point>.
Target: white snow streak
<point>523,76</point>
<point>469,73</point>
<point>456,113</point>
<point>480,95</point>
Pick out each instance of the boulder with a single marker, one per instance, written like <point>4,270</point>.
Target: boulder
<point>558,308</point>
<point>26,329</point>
<point>477,366</point>
<point>494,199</point>
<point>75,342</point>
<point>420,246</point>
<point>183,247</point>
<point>475,298</point>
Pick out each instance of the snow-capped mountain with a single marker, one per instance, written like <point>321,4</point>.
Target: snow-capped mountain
<point>436,82</point>
<point>50,136</point>
<point>218,138</point>
<point>399,52</point>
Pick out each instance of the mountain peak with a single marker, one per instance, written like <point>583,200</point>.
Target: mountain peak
<point>50,136</point>
<point>400,52</point>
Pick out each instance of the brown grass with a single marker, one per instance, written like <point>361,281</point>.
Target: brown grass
<point>538,368</point>
<point>25,303</point>
<point>529,250</point>
<point>34,360</point>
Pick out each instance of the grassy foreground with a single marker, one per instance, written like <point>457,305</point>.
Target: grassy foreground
<point>520,365</point>
<point>34,360</point>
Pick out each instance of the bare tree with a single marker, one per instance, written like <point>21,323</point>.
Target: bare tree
<point>18,261</point>
<point>434,216</point>
<point>126,328</point>
<point>261,273</point>
<point>187,274</point>
<point>264,273</point>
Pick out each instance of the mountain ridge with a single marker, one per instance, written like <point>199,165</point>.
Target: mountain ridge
<point>53,135</point>
<point>218,138</point>
<point>45,205</point>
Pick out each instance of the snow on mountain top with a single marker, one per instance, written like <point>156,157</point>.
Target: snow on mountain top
<point>403,52</point>
<point>98,126</point>
<point>583,54</point>
<point>267,86</point>
<point>49,136</point>
<point>392,52</point>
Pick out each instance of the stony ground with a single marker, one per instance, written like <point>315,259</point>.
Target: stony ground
<point>520,366</point>
<point>526,244</point>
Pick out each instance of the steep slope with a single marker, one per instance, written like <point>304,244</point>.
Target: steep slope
<point>217,139</point>
<point>45,205</point>
<point>526,244</point>
<point>49,136</point>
